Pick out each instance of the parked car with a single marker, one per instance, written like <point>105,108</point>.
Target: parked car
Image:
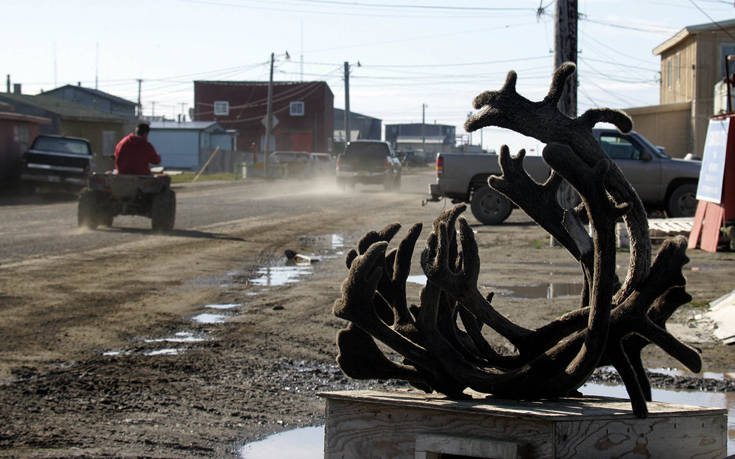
<point>57,161</point>
<point>661,181</point>
<point>369,162</point>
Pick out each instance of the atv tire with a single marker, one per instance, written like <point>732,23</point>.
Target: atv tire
<point>163,211</point>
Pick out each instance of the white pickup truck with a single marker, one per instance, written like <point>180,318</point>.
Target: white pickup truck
<point>661,182</point>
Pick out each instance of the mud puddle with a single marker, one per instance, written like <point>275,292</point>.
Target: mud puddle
<point>544,290</point>
<point>301,443</point>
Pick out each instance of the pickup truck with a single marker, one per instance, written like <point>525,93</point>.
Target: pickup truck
<point>57,161</point>
<point>661,182</point>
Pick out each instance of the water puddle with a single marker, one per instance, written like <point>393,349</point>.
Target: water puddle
<point>223,306</point>
<point>179,337</point>
<point>276,276</point>
<point>545,290</point>
<point>337,241</point>
<point>209,318</point>
<point>170,351</point>
<point>707,374</point>
<point>417,279</point>
<point>114,353</point>
<point>301,443</point>
<point>683,397</point>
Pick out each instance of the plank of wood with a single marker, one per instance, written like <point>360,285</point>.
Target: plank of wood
<point>680,437</point>
<point>357,429</point>
<point>568,408</point>
<point>435,446</point>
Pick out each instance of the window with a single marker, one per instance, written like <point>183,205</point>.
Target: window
<point>221,108</point>
<point>619,147</point>
<point>668,72</point>
<point>726,49</point>
<point>678,67</point>
<point>296,108</point>
<point>108,143</point>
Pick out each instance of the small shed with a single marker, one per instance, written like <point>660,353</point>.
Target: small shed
<point>188,145</point>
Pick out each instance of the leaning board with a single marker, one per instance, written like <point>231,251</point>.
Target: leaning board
<point>416,425</point>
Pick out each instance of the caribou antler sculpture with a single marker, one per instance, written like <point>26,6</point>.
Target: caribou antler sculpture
<point>612,326</point>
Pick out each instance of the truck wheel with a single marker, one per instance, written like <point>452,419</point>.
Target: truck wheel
<point>106,219</point>
<point>683,201</point>
<point>489,207</point>
<point>163,211</point>
<point>87,209</point>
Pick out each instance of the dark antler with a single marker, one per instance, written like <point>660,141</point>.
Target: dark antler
<point>553,360</point>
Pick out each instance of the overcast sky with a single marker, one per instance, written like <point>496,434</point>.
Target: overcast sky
<point>435,52</point>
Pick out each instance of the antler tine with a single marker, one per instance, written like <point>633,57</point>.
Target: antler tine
<point>561,74</point>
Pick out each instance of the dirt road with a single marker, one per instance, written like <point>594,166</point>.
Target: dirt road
<point>119,342</point>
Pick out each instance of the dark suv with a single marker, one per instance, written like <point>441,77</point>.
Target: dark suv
<point>57,161</point>
<point>369,162</point>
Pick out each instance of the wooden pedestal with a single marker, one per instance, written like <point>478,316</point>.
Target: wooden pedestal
<point>415,425</point>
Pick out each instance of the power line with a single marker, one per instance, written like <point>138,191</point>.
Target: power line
<point>712,20</point>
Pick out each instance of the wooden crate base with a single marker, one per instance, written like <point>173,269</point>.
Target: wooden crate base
<point>415,425</point>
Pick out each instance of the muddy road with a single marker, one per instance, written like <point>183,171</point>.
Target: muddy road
<point>121,342</point>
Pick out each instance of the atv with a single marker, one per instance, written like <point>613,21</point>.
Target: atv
<point>109,195</point>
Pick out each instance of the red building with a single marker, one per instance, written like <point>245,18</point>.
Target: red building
<point>303,112</point>
<point>17,132</point>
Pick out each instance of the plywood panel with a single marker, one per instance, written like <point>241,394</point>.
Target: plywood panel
<point>683,437</point>
<point>369,430</point>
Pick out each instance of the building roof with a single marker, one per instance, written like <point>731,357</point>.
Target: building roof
<point>692,30</point>
<point>12,116</point>
<point>340,112</point>
<point>94,92</point>
<point>63,108</point>
<point>256,83</point>
<point>418,124</point>
<point>186,125</point>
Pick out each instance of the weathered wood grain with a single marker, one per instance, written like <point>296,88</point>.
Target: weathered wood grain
<point>409,424</point>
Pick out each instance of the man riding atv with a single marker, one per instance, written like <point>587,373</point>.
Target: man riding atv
<point>130,189</point>
<point>134,153</point>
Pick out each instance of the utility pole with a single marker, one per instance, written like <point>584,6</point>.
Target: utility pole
<point>153,109</point>
<point>565,50</point>
<point>348,137</point>
<point>140,106</point>
<point>183,113</point>
<point>423,128</point>
<point>269,117</point>
<point>96,65</point>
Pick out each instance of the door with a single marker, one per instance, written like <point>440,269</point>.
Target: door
<point>642,171</point>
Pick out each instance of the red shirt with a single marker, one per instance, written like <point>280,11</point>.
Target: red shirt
<point>133,155</point>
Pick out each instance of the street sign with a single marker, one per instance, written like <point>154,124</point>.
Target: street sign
<point>274,120</point>
<point>713,163</point>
